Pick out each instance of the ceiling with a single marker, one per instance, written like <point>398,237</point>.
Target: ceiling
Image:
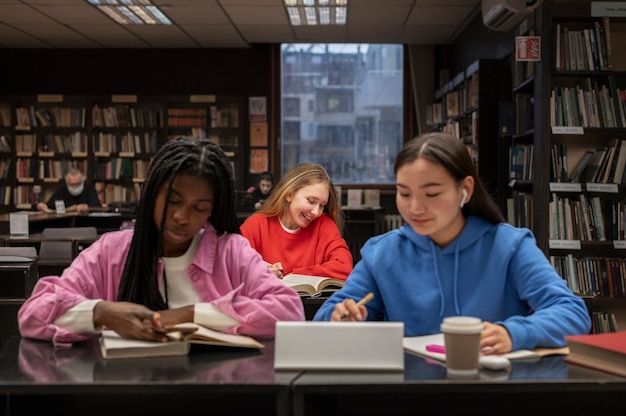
<point>228,24</point>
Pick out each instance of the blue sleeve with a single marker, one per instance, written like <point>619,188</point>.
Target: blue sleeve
<point>556,310</point>
<point>358,284</point>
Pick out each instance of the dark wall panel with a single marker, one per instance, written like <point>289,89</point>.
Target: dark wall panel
<point>137,71</point>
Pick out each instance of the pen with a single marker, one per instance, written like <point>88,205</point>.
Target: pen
<point>436,348</point>
<point>363,301</point>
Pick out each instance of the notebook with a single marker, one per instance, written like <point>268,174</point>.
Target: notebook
<point>314,345</point>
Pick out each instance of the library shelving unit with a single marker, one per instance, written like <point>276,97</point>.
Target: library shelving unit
<point>111,138</point>
<point>50,136</point>
<point>6,145</point>
<point>126,131</point>
<point>579,219</point>
<point>467,107</point>
<point>221,119</point>
<point>518,189</point>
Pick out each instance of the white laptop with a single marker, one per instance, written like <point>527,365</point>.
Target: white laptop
<point>315,345</point>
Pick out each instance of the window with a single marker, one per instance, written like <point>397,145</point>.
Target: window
<point>351,122</point>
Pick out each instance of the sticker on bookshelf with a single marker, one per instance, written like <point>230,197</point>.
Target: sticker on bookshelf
<point>564,244</point>
<point>619,244</point>
<point>257,108</point>
<point>565,187</point>
<point>609,188</point>
<point>567,130</point>
<point>605,8</point>
<point>202,98</point>
<point>50,98</point>
<point>124,98</point>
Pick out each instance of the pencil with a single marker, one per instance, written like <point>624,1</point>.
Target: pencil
<point>363,301</point>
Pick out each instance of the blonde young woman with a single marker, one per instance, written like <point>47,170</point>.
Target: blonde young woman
<point>298,228</point>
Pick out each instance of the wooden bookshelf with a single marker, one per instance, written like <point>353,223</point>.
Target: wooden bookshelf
<point>111,138</point>
<point>563,132</point>
<point>467,107</point>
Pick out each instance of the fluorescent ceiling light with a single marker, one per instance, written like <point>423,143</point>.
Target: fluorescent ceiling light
<point>131,12</point>
<point>316,12</point>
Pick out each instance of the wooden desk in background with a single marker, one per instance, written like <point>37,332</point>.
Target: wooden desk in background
<point>18,280</point>
<point>37,222</point>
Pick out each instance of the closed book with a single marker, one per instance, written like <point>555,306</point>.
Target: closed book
<point>181,337</point>
<point>605,352</point>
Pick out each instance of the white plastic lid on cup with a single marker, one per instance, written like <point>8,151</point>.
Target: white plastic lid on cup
<point>461,325</point>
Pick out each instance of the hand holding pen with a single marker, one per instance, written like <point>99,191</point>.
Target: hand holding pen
<point>354,311</point>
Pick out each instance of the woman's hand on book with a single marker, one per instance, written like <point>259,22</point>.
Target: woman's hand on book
<point>129,320</point>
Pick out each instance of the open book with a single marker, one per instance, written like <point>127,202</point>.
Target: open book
<point>312,285</point>
<point>182,336</point>
<point>418,345</point>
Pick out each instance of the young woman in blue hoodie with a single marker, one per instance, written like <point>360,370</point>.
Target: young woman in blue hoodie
<point>456,255</point>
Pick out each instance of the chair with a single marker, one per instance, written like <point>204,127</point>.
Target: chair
<point>58,248</point>
<point>18,275</point>
<point>22,260</point>
<point>13,253</point>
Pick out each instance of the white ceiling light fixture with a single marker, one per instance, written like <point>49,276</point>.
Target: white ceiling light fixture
<point>131,12</point>
<point>317,12</point>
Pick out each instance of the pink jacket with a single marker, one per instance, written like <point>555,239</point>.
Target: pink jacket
<point>226,271</point>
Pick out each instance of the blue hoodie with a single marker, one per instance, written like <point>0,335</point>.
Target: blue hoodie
<point>495,272</point>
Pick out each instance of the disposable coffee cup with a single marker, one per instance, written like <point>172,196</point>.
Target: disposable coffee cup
<point>462,341</point>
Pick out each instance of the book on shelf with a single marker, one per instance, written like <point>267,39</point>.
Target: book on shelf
<point>580,166</point>
<point>312,285</point>
<point>606,27</point>
<point>417,345</point>
<point>605,352</point>
<point>182,336</point>
<point>590,173</point>
<point>453,108</point>
<point>617,170</point>
<point>437,113</point>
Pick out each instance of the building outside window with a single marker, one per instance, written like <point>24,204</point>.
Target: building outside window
<point>342,107</point>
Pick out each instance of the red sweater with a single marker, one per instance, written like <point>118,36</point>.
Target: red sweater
<point>317,250</point>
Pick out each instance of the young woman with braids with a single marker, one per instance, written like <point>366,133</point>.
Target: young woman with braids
<point>184,261</point>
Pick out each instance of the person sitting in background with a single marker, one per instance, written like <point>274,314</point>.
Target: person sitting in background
<point>456,255</point>
<point>263,187</point>
<point>184,261</point>
<point>298,228</point>
<point>74,193</point>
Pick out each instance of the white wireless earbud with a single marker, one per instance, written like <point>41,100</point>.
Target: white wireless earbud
<point>464,198</point>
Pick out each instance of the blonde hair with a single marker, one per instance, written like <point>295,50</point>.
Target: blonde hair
<point>302,175</point>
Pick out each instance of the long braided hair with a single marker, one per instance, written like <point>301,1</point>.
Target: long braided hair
<point>182,155</point>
